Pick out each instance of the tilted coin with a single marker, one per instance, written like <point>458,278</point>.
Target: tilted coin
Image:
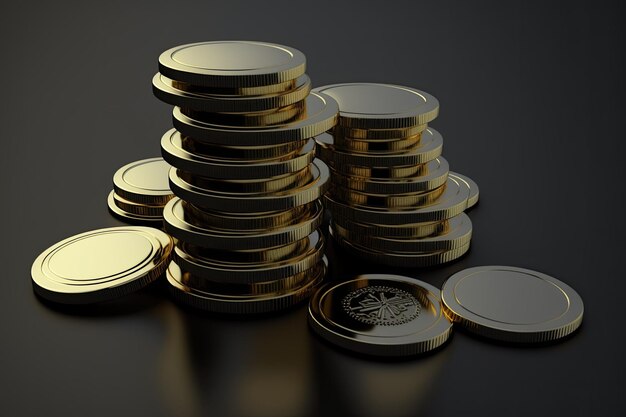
<point>452,202</point>
<point>134,218</point>
<point>239,153</point>
<point>172,147</point>
<point>512,304</point>
<point>194,261</point>
<point>321,115</point>
<point>381,106</point>
<point>458,233</point>
<point>401,259</point>
<point>254,202</point>
<point>232,63</point>
<point>163,89</point>
<point>360,199</point>
<point>380,314</point>
<point>474,192</point>
<point>101,265</point>
<point>249,221</point>
<point>180,226</point>
<point>429,148</point>
<point>241,304</point>
<point>144,182</point>
<point>432,175</point>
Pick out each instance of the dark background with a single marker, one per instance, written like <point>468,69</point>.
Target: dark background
<point>532,108</point>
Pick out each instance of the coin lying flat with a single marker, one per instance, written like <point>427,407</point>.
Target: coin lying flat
<point>408,230</point>
<point>321,115</point>
<point>249,221</point>
<point>240,304</point>
<point>101,265</point>
<point>147,210</point>
<point>512,304</point>
<point>144,181</point>
<point>239,153</point>
<point>401,259</point>
<point>260,90</point>
<point>274,116</point>
<point>381,106</point>
<point>474,192</point>
<point>429,148</point>
<point>253,202</point>
<point>382,315</point>
<point>180,226</point>
<point>164,90</point>
<point>232,63</point>
<point>194,261</point>
<point>457,234</point>
<point>360,146</point>
<point>395,172</point>
<point>360,199</point>
<point>433,174</point>
<point>174,152</point>
<point>130,217</point>
<point>452,202</point>
<point>377,134</point>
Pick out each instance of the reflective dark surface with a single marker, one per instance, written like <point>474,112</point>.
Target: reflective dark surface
<point>522,88</point>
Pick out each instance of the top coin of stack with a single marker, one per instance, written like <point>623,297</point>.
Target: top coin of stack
<point>244,172</point>
<point>393,199</point>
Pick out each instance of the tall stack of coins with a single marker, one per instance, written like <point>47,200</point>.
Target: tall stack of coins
<point>248,186</point>
<point>393,199</point>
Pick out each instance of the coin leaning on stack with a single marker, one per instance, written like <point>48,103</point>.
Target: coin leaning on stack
<point>247,210</point>
<point>392,198</point>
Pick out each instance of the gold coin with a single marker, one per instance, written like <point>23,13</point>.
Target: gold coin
<point>100,265</point>
<point>128,217</point>
<point>361,146</point>
<point>254,202</point>
<point>409,230</point>
<point>474,193</point>
<point>429,148</point>
<point>452,202</point>
<point>180,226</point>
<point>258,186</point>
<point>380,314</point>
<point>249,221</point>
<point>163,89</point>
<point>381,106</point>
<point>402,259</point>
<point>144,182</point>
<point>232,64</point>
<point>240,304</point>
<point>270,117</point>
<point>458,234</point>
<point>230,289</point>
<point>175,153</point>
<point>136,208</point>
<point>248,273</point>
<point>512,304</point>
<point>380,172</point>
<point>360,199</point>
<point>321,115</point>
<point>377,134</point>
<point>432,175</point>
<point>236,91</point>
<point>237,153</point>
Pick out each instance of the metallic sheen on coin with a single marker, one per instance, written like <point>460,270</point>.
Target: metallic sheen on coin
<point>512,304</point>
<point>379,314</point>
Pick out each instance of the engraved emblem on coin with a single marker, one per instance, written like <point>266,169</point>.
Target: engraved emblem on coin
<point>381,305</point>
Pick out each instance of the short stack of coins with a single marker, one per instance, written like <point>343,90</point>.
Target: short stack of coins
<point>248,187</point>
<point>393,200</point>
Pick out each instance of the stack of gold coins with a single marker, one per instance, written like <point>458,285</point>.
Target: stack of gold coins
<point>140,192</point>
<point>248,186</point>
<point>392,198</point>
